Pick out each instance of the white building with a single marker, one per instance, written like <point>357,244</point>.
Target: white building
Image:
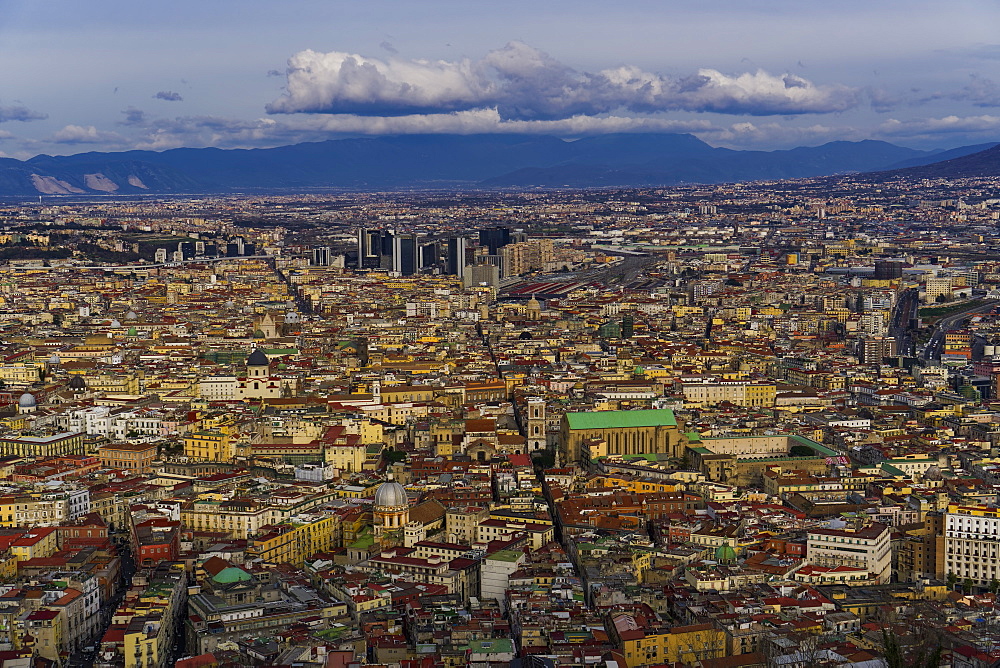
<point>867,548</point>
<point>972,543</point>
<point>495,572</point>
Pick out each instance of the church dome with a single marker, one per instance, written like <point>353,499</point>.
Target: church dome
<point>725,554</point>
<point>77,382</point>
<point>292,318</point>
<point>258,334</point>
<point>131,315</point>
<point>115,324</point>
<point>391,494</point>
<point>54,359</point>
<point>257,358</point>
<point>27,400</point>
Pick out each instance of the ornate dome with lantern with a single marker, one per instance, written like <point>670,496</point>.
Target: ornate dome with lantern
<point>391,512</point>
<point>391,494</point>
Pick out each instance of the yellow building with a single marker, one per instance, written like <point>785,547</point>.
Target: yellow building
<point>21,373</point>
<point>347,456</point>
<point>739,393</point>
<point>629,484</point>
<point>38,543</point>
<point>213,446</point>
<point>114,383</point>
<point>65,443</point>
<point>298,539</point>
<point>46,628</point>
<point>680,644</point>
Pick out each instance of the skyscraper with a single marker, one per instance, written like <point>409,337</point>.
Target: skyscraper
<point>887,270</point>
<point>494,238</point>
<point>405,254</point>
<point>455,260</point>
<point>321,256</point>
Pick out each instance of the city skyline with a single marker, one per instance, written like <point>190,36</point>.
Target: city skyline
<point>117,76</point>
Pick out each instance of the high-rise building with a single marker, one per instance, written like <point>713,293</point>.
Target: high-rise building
<point>321,256</point>
<point>937,287</point>
<point>455,259</point>
<point>480,274</point>
<point>430,254</point>
<point>369,248</point>
<point>405,254</point>
<point>873,349</point>
<point>887,270</point>
<point>525,256</point>
<point>494,238</point>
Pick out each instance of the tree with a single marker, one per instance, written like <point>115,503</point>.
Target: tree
<point>393,456</point>
<point>896,658</point>
<point>967,585</point>
<point>952,581</point>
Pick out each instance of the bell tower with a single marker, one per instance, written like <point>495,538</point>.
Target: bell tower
<point>536,424</point>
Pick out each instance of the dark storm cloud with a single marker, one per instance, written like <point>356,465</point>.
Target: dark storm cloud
<point>17,112</point>
<point>133,116</point>
<point>169,96</point>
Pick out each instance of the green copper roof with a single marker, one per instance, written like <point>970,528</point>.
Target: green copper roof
<point>232,574</point>
<point>662,417</point>
<point>725,554</point>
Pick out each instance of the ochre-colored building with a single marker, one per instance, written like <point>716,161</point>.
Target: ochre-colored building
<point>624,432</point>
<point>136,457</point>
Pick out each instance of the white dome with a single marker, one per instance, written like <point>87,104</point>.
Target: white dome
<point>391,494</point>
<point>131,315</point>
<point>27,400</point>
<point>54,359</point>
<point>115,324</point>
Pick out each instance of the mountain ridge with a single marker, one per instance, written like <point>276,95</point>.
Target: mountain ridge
<point>425,161</point>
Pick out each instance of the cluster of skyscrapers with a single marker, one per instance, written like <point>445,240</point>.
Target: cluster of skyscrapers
<point>499,252</point>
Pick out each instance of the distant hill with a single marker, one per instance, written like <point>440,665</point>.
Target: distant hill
<point>941,156</point>
<point>982,163</point>
<point>704,164</point>
<point>438,161</point>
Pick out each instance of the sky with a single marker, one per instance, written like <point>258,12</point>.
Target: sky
<point>106,75</point>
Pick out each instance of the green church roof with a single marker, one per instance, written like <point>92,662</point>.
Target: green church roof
<point>231,575</point>
<point>661,417</point>
<point>725,554</point>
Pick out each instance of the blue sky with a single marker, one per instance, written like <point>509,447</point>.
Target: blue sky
<point>109,75</point>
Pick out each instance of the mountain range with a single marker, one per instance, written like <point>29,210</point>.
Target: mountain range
<point>464,161</point>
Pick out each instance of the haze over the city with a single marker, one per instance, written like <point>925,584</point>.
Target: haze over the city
<point>112,75</point>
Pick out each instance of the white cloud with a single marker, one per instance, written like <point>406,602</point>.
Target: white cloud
<point>925,127</point>
<point>752,135</point>
<point>524,83</point>
<point>344,82</point>
<point>163,133</point>
<point>78,134</point>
